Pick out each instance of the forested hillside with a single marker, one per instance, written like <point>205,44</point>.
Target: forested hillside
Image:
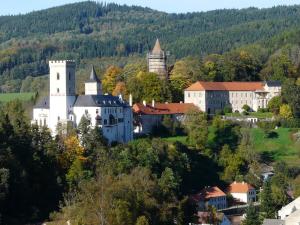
<point>92,30</point>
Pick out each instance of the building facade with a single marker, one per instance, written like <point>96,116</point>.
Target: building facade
<point>147,116</point>
<point>213,96</point>
<point>63,106</point>
<point>157,61</point>
<point>242,192</point>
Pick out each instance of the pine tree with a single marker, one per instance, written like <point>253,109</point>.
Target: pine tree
<point>252,217</point>
<point>268,207</point>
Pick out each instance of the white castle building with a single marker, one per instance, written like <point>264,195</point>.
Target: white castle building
<point>213,96</point>
<point>63,106</point>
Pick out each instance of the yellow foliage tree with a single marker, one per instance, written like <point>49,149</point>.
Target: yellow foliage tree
<point>285,111</point>
<point>120,89</point>
<point>73,150</point>
<point>110,78</point>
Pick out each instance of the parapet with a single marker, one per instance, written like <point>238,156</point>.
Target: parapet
<point>62,62</point>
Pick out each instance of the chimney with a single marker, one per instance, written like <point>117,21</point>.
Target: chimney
<point>130,100</point>
<point>153,103</point>
<point>144,103</point>
<point>180,102</point>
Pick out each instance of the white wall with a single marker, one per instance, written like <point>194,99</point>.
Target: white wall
<point>41,117</point>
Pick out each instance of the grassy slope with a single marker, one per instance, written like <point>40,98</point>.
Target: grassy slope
<point>281,147</point>
<point>12,96</point>
<point>277,148</point>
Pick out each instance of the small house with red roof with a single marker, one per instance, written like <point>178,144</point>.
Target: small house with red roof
<point>210,196</point>
<point>147,116</point>
<point>242,192</point>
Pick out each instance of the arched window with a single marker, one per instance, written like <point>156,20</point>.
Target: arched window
<point>57,76</point>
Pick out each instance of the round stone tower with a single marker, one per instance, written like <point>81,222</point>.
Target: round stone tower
<point>157,61</point>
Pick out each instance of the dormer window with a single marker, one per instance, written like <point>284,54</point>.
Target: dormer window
<point>57,76</point>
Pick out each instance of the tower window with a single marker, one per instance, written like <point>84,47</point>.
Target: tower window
<point>58,118</point>
<point>57,76</point>
<point>57,90</point>
<point>97,111</point>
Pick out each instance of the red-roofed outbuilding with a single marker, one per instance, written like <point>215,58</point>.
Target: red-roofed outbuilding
<point>147,116</point>
<point>210,196</point>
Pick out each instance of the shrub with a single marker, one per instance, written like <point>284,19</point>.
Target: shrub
<point>227,109</point>
<point>219,112</point>
<point>246,108</point>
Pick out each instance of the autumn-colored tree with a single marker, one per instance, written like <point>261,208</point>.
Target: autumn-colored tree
<point>279,67</point>
<point>110,78</point>
<point>120,89</point>
<point>72,151</point>
<point>285,111</point>
<point>185,72</point>
<point>148,86</point>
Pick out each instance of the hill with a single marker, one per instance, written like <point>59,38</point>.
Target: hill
<point>90,30</point>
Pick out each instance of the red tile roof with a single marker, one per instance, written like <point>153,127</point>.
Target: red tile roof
<point>226,86</point>
<point>208,193</point>
<point>163,108</point>
<point>243,187</point>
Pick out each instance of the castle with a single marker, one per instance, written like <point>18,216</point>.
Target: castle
<point>63,106</point>
<point>157,61</point>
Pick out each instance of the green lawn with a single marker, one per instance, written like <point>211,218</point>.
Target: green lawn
<point>279,147</point>
<point>7,97</point>
<point>259,115</point>
<point>182,139</point>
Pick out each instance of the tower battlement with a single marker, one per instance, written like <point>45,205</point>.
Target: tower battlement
<point>62,62</point>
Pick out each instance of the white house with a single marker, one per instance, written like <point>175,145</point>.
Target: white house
<point>210,196</point>
<point>213,96</point>
<point>242,192</point>
<point>287,210</point>
<point>63,106</point>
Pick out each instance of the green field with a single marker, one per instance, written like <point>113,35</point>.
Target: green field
<point>259,115</point>
<point>182,139</point>
<point>7,97</point>
<point>279,147</point>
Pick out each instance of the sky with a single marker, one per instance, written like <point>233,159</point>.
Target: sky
<point>11,7</point>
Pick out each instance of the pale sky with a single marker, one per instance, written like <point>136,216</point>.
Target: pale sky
<point>9,7</point>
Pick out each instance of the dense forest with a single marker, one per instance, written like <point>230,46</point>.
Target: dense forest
<point>77,176</point>
<point>103,32</point>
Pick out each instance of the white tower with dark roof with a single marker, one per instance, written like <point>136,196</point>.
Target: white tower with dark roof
<point>157,61</point>
<point>93,85</point>
<point>62,92</point>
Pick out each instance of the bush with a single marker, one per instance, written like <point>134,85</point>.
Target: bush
<point>262,110</point>
<point>290,123</point>
<point>219,112</point>
<point>227,109</point>
<point>246,108</point>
